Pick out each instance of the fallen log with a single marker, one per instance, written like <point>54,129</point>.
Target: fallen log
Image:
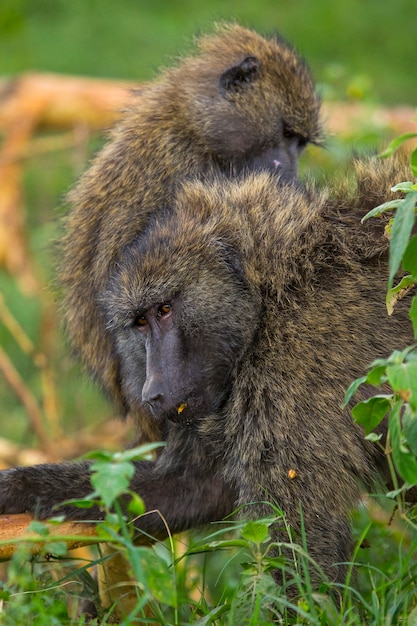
<point>15,530</point>
<point>117,587</point>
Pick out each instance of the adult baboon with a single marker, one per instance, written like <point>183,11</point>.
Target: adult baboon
<point>240,103</point>
<point>239,318</point>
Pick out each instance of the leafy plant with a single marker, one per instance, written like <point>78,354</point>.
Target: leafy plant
<point>399,370</point>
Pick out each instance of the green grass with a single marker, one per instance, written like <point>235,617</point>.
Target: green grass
<point>224,579</point>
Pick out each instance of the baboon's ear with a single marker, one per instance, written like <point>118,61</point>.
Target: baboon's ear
<point>238,77</point>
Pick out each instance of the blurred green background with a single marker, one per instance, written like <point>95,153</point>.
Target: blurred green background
<point>372,42</point>
<point>359,50</point>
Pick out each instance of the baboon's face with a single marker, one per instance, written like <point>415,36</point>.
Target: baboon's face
<point>179,331</point>
<point>250,124</point>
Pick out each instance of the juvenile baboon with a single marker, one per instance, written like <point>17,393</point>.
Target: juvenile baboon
<point>242,102</point>
<point>239,318</point>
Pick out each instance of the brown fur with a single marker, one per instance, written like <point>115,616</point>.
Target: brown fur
<point>182,126</point>
<point>287,288</point>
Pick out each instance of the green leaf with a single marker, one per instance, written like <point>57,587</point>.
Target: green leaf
<point>403,379</point>
<point>396,492</point>
<point>405,187</point>
<point>399,356</point>
<point>352,389</point>
<point>395,144</point>
<point>39,527</point>
<point>396,293</point>
<point>256,532</point>
<point>110,480</point>
<point>85,503</point>
<point>401,230</point>
<point>99,455</point>
<point>376,376</point>
<point>104,533</point>
<point>370,413</point>
<point>413,315</point>
<point>413,162</point>
<point>410,257</point>
<point>136,504</point>
<point>57,548</point>
<point>216,545</point>
<point>409,420</point>
<point>404,461</point>
<point>159,577</point>
<point>382,208</point>
<point>373,437</point>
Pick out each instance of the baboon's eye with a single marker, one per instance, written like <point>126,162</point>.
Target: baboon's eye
<point>164,309</point>
<point>140,320</point>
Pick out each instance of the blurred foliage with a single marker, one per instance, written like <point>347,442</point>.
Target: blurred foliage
<point>356,49</point>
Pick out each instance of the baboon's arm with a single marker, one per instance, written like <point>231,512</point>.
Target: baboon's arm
<point>185,496</point>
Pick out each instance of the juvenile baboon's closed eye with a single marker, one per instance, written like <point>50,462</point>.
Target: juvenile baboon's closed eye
<point>289,133</point>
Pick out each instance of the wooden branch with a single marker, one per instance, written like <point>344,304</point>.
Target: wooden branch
<point>28,103</point>
<point>58,101</point>
<point>115,582</point>
<point>14,531</point>
<point>26,397</point>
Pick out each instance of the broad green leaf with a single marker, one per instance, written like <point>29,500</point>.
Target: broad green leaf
<point>409,420</point>
<point>404,461</point>
<point>39,527</point>
<point>57,548</point>
<point>111,479</point>
<point>380,362</point>
<point>104,533</point>
<point>396,492</point>
<point>406,187</point>
<point>136,504</point>
<point>413,162</point>
<point>352,389</point>
<point>99,455</point>
<point>376,376</point>
<point>401,230</point>
<point>370,413</point>
<point>406,281</point>
<point>413,315</point>
<point>403,379</point>
<point>395,144</point>
<point>410,257</point>
<point>399,356</point>
<point>217,545</point>
<point>396,293</point>
<point>256,532</point>
<point>382,208</point>
<point>159,577</point>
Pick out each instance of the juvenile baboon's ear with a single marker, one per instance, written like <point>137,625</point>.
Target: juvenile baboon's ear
<point>237,77</point>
